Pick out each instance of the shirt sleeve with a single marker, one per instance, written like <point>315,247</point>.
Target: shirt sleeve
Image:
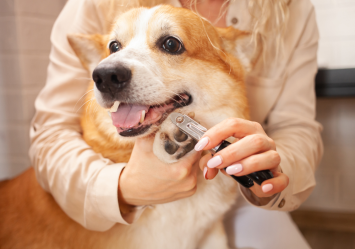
<point>82,182</point>
<point>291,124</point>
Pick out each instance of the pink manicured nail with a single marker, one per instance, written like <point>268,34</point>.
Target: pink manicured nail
<point>205,173</point>
<point>267,187</point>
<point>214,162</point>
<point>202,144</point>
<point>234,169</point>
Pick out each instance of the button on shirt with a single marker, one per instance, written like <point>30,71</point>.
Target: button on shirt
<point>238,15</point>
<point>234,21</point>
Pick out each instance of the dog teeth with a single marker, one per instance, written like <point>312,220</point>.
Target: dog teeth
<point>142,117</point>
<point>115,106</point>
<point>109,113</point>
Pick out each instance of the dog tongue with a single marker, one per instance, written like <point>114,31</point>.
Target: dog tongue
<point>127,115</point>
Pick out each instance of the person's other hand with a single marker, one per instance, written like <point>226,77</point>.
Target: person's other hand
<point>253,151</point>
<point>146,180</point>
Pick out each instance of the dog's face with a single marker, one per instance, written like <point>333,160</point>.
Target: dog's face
<point>160,60</point>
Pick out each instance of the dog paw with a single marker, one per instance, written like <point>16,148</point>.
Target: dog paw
<point>171,144</point>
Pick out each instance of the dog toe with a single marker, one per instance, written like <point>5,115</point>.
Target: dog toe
<point>179,136</point>
<point>169,146</point>
<point>186,149</point>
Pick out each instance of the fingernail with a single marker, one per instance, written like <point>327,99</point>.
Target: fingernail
<point>202,144</point>
<point>234,169</point>
<point>267,187</point>
<point>205,173</point>
<point>214,162</point>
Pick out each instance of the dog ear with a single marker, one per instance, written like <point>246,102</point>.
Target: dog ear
<point>90,49</point>
<point>240,44</point>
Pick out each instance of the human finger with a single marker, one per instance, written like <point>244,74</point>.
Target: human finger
<point>232,127</point>
<point>272,186</point>
<point>246,147</point>
<point>267,160</point>
<point>208,173</point>
<point>181,195</point>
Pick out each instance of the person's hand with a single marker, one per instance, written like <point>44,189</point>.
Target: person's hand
<point>146,180</point>
<point>254,151</point>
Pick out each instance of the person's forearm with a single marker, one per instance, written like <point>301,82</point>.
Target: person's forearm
<point>75,175</point>
<point>301,150</point>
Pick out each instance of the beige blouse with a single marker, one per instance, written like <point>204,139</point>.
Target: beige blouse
<point>85,184</point>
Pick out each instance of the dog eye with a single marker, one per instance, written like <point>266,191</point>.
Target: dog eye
<point>114,47</point>
<point>172,45</point>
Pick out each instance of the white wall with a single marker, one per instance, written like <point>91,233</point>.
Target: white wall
<point>336,22</point>
<point>25,27</point>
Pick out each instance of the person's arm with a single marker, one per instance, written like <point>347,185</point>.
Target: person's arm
<point>291,134</point>
<point>291,123</point>
<point>82,182</point>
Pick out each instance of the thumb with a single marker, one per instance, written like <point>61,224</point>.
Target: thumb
<point>208,173</point>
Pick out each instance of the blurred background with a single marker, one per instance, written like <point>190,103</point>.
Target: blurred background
<point>327,218</point>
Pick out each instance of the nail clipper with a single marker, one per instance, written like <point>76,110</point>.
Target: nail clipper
<point>194,130</point>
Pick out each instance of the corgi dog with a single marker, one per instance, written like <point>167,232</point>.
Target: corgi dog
<point>155,61</point>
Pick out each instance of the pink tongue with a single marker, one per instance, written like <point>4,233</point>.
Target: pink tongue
<point>128,116</point>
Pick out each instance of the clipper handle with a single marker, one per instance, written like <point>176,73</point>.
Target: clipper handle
<point>247,181</point>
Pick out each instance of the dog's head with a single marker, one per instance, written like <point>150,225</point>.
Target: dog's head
<point>159,60</point>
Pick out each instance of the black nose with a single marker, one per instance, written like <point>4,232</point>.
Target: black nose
<point>111,78</point>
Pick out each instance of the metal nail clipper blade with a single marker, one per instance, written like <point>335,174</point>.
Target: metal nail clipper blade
<point>193,129</point>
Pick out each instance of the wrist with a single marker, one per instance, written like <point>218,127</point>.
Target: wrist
<point>124,206</point>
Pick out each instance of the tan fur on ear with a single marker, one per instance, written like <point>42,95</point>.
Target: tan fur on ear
<point>240,44</point>
<point>231,34</point>
<point>90,49</point>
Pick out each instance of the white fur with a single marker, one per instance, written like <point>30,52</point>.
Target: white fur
<point>185,224</point>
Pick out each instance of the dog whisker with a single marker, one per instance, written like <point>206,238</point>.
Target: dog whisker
<point>84,104</point>
<point>81,98</point>
<point>88,108</point>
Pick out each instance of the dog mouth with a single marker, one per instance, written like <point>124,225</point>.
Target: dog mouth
<point>135,119</point>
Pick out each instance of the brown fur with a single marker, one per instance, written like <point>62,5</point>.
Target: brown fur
<point>30,218</point>
<point>98,43</point>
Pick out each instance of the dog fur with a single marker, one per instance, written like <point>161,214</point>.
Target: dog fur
<point>208,70</point>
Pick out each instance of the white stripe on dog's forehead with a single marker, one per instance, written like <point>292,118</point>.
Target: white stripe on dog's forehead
<point>143,20</point>
<point>142,24</point>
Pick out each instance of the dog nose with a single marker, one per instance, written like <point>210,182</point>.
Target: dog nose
<point>111,78</point>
